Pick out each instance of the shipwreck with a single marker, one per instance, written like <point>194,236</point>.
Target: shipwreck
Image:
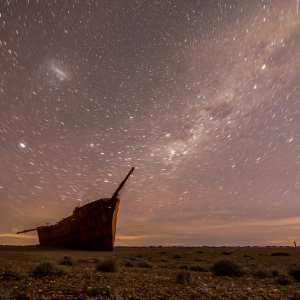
<point>90,227</point>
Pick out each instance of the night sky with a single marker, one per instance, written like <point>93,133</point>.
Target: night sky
<point>201,97</point>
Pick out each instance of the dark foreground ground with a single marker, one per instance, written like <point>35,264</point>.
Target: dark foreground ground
<point>150,273</point>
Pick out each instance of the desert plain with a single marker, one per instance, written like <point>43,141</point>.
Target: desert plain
<point>150,273</point>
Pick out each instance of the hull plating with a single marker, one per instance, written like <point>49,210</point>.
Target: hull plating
<point>92,227</point>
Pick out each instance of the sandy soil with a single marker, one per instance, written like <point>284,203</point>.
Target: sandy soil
<point>159,281</point>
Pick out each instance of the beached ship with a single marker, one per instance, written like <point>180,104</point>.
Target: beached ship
<point>91,226</point>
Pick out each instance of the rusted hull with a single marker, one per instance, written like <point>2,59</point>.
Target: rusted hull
<point>91,227</point>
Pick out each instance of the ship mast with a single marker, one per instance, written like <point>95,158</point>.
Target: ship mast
<point>115,195</point>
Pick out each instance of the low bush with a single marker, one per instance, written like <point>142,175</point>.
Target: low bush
<point>83,260</point>
<point>95,260</point>
<point>183,267</point>
<point>295,272</point>
<point>14,273</point>
<point>275,273</point>
<point>44,269</point>
<point>184,277</point>
<point>200,251</point>
<point>226,253</point>
<point>199,268</point>
<point>66,263</point>
<point>67,258</point>
<point>262,273</point>
<point>49,268</point>
<point>163,252</point>
<point>107,264</point>
<point>128,264</point>
<point>164,260</point>
<point>227,267</point>
<point>280,254</point>
<point>283,279</point>
<point>144,264</point>
<point>139,255</point>
<point>62,272</point>
<point>176,256</point>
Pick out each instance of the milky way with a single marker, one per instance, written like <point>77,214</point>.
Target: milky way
<point>201,97</point>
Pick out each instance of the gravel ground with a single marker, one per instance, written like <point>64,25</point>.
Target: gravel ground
<point>148,273</point>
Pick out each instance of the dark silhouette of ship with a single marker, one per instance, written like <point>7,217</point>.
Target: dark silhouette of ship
<point>90,227</point>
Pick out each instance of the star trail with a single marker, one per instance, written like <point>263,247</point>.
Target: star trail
<point>201,97</point>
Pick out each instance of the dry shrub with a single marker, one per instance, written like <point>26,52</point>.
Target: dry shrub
<point>66,263</point>
<point>227,267</point>
<point>44,269</point>
<point>107,264</point>
<point>14,273</point>
<point>184,267</point>
<point>67,258</point>
<point>276,273</point>
<point>200,251</point>
<point>184,277</point>
<point>61,271</point>
<point>144,264</point>
<point>280,254</point>
<point>199,268</point>
<point>176,256</point>
<point>262,273</point>
<point>163,252</point>
<point>95,260</point>
<point>283,279</point>
<point>49,268</point>
<point>128,264</point>
<point>164,260</point>
<point>139,255</point>
<point>226,253</point>
<point>295,272</point>
<point>83,260</point>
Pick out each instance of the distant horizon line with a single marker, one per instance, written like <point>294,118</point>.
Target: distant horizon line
<point>161,246</point>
